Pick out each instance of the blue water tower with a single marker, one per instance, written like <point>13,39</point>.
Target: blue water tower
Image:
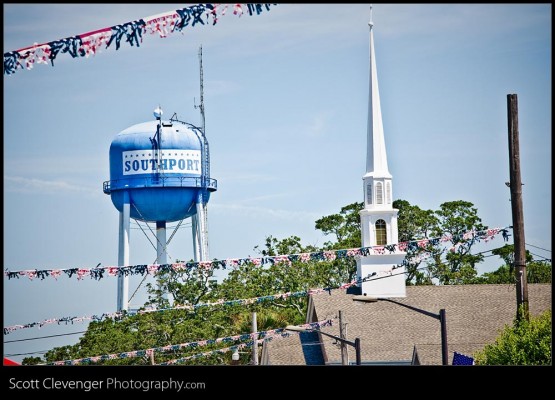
<point>159,173</point>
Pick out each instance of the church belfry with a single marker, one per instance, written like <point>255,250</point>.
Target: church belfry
<point>378,218</point>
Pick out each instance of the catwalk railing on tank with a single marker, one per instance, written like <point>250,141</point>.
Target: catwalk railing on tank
<point>158,181</point>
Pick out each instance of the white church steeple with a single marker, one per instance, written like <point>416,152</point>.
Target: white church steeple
<point>376,158</point>
<point>378,219</point>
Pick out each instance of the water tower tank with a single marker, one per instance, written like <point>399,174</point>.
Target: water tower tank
<point>159,172</point>
<point>163,168</point>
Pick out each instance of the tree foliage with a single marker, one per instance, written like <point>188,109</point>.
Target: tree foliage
<point>345,226</point>
<point>536,271</point>
<point>415,224</point>
<point>454,219</point>
<point>195,287</point>
<point>524,343</point>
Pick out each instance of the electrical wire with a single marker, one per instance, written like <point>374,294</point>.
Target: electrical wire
<point>25,354</point>
<point>73,333</point>
<point>527,244</point>
<point>364,280</point>
<point>542,258</point>
<point>43,337</point>
<point>274,297</point>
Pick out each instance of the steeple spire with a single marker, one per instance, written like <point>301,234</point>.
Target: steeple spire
<point>378,218</point>
<point>376,158</point>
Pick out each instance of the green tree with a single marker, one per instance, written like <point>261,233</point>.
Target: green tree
<point>415,224</point>
<point>524,343</point>
<point>452,220</point>
<point>288,275</point>
<point>507,254</point>
<point>31,361</point>
<point>193,286</point>
<point>539,271</point>
<point>345,226</point>
<point>158,329</point>
<point>536,271</point>
<point>163,330</point>
<point>455,218</point>
<point>502,275</point>
<point>188,286</point>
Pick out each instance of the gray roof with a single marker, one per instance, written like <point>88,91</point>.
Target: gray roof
<point>301,349</point>
<point>390,332</point>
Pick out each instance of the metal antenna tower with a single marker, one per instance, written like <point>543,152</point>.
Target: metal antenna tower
<point>200,224</point>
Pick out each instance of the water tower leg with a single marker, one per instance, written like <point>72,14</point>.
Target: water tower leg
<point>123,253</point>
<point>202,229</point>
<point>196,236</point>
<point>161,253</point>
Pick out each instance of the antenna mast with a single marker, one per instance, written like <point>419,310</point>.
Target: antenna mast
<point>206,158</point>
<point>200,222</point>
<point>201,89</point>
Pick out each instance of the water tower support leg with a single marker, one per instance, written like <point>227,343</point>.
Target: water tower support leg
<point>195,233</point>
<point>123,253</point>
<point>202,229</point>
<point>161,252</point>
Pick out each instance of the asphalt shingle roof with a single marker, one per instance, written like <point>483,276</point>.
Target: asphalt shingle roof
<point>390,332</point>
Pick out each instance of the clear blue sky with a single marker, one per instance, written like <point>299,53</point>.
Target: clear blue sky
<point>286,97</point>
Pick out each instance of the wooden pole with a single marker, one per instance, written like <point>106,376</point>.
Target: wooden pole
<point>516,205</point>
<point>254,328</point>
<point>342,335</point>
<point>444,345</point>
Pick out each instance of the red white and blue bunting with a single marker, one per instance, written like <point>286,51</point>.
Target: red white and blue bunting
<point>98,272</point>
<point>90,43</point>
<point>118,315</point>
<point>259,336</point>
<point>241,346</point>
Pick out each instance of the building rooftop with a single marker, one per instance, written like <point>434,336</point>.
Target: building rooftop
<point>392,333</point>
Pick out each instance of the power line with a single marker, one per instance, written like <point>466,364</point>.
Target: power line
<point>542,258</point>
<point>120,314</point>
<point>369,277</point>
<point>491,255</point>
<point>25,354</point>
<point>44,337</point>
<point>528,244</point>
<point>488,251</point>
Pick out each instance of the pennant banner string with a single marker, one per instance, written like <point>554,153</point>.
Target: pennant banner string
<point>190,345</point>
<point>232,348</point>
<point>87,44</point>
<point>226,349</point>
<point>222,351</point>
<point>98,272</point>
<point>120,314</point>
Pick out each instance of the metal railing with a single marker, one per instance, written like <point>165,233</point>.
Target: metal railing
<point>156,181</point>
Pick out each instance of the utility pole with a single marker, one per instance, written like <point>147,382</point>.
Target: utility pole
<point>516,206</point>
<point>342,335</point>
<point>254,340</point>
<point>444,348</point>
